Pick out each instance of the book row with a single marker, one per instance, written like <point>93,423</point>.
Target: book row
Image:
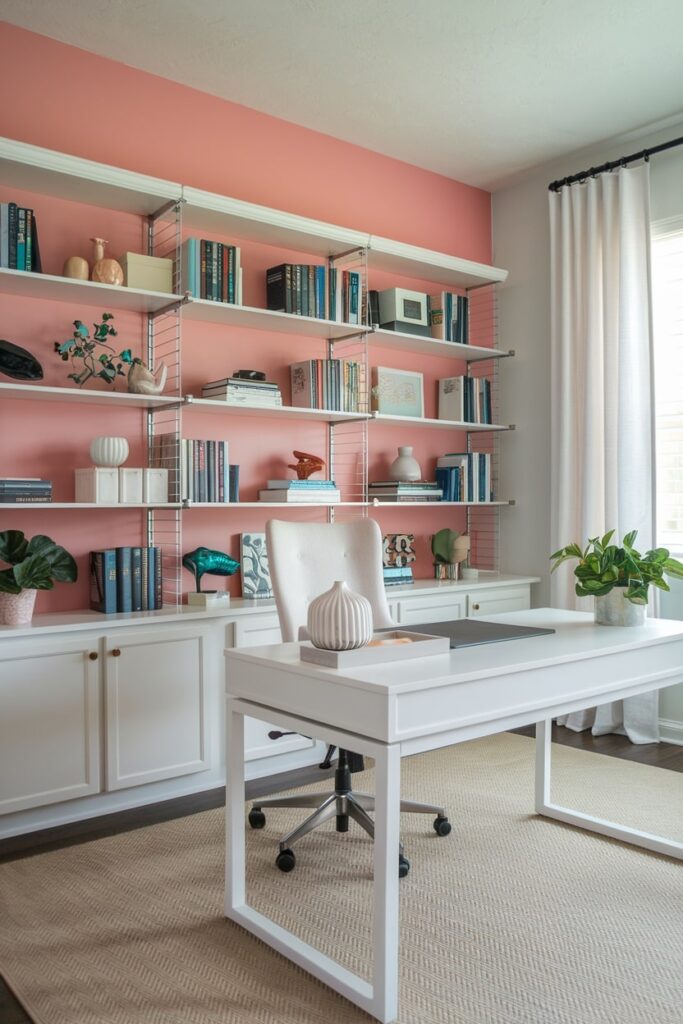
<point>315,290</point>
<point>465,399</point>
<point>338,385</point>
<point>323,492</point>
<point>206,474</point>
<point>211,270</point>
<point>126,579</point>
<point>238,391</point>
<point>24,491</point>
<point>465,476</point>
<point>449,317</point>
<point>19,248</point>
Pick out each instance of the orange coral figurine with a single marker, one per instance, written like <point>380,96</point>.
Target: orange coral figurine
<point>307,465</point>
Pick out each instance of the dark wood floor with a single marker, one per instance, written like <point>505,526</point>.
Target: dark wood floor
<point>662,755</point>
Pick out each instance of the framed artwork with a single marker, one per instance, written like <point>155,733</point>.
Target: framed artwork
<point>254,566</point>
<point>397,392</point>
<point>398,549</point>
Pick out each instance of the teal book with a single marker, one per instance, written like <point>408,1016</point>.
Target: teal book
<point>124,579</point>
<point>151,578</point>
<point>136,571</point>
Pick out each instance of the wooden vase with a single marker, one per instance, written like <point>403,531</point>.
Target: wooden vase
<point>77,268</point>
<point>104,270</point>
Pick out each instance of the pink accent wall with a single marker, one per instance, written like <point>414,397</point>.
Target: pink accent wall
<point>76,102</point>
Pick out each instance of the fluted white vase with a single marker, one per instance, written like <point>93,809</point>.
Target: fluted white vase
<point>339,619</point>
<point>405,467</point>
<point>109,451</point>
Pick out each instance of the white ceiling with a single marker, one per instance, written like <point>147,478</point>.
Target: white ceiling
<point>478,90</point>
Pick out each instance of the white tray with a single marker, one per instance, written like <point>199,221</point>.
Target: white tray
<point>420,645</point>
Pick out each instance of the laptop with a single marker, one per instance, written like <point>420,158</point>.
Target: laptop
<point>469,632</point>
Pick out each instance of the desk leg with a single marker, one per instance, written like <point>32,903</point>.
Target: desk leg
<point>385,920</point>
<point>235,864</point>
<point>544,806</point>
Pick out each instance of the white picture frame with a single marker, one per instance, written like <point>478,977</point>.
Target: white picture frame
<point>397,392</point>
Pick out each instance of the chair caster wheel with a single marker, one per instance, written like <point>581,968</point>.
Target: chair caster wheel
<point>403,866</point>
<point>442,826</point>
<point>285,860</point>
<point>257,818</point>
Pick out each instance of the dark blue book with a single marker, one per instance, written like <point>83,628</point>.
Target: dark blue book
<point>151,578</point>
<point>234,483</point>
<point>444,479</point>
<point>158,579</point>
<point>12,216</point>
<point>144,552</point>
<point>124,579</point>
<point>103,581</point>
<point>211,471</point>
<point>136,570</point>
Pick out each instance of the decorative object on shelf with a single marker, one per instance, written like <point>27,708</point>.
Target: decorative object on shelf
<point>339,619</point>
<point>468,573</point>
<point>18,363</point>
<point>216,563</point>
<point>97,485</point>
<point>105,270</point>
<point>34,565</point>
<point>142,381</point>
<point>77,268</point>
<point>130,485</point>
<point>398,549</point>
<point>403,310</point>
<point>405,468</point>
<point>618,576</point>
<point>249,374</point>
<point>306,465</point>
<point>109,451</point>
<point>149,273</point>
<point>397,392</point>
<point>96,357</point>
<point>155,485</point>
<point>255,568</point>
<point>450,549</point>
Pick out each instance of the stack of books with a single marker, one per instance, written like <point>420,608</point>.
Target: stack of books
<point>338,385</point>
<point>125,579</point>
<point>397,575</point>
<point>18,238</point>
<point>211,270</point>
<point>323,492</point>
<point>465,399</point>
<point>465,476</point>
<point>24,490</point>
<point>206,474</point>
<point>314,290</point>
<point>449,317</point>
<point>238,391</point>
<point>398,490</point>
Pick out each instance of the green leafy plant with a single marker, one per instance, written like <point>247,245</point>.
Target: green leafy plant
<point>35,564</point>
<point>603,565</point>
<point>94,356</point>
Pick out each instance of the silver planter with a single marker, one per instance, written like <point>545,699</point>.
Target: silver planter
<point>614,610</point>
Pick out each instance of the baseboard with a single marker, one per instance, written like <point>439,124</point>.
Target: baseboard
<point>671,731</point>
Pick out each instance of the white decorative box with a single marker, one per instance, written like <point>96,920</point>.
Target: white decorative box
<point>207,600</point>
<point>155,486</point>
<point>98,485</point>
<point>130,486</point>
<point>404,310</point>
<point>150,273</point>
<point>398,645</point>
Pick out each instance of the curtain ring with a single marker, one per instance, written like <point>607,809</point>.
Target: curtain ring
<point>646,158</point>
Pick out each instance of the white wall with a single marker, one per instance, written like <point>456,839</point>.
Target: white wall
<point>521,243</point>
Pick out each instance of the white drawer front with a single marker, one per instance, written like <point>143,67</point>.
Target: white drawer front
<point>435,608</point>
<point>505,599</point>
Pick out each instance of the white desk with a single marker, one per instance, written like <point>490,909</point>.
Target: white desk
<point>416,705</point>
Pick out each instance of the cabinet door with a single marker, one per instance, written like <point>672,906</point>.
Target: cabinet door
<point>503,599</point>
<point>49,723</point>
<point>156,705</point>
<point>252,632</point>
<point>431,608</point>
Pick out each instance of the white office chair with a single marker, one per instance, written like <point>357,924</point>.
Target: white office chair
<point>305,560</point>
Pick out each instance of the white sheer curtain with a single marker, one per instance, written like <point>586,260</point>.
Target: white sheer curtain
<point>602,390</point>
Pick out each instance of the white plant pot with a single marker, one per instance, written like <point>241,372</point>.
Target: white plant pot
<point>17,609</point>
<point>339,619</point>
<point>405,468</point>
<point>614,610</point>
<point>109,451</point>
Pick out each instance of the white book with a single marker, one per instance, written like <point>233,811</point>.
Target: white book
<point>452,399</point>
<point>302,387</point>
<point>327,496</point>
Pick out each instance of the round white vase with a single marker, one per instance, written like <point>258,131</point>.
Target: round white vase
<point>339,619</point>
<point>109,451</point>
<point>405,468</point>
<point>614,610</point>
<point>17,609</point>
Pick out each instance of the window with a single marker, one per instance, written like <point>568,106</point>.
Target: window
<point>667,290</point>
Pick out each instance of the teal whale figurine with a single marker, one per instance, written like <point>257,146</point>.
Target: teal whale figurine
<point>203,560</point>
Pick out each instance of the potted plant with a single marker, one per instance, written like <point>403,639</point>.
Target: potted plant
<point>449,548</point>
<point>33,565</point>
<point>618,576</point>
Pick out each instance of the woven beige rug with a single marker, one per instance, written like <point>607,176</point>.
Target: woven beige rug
<point>510,920</point>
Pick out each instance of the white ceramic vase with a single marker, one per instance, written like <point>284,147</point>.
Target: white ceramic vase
<point>614,610</point>
<point>109,451</point>
<point>339,619</point>
<point>405,468</point>
<point>17,609</point>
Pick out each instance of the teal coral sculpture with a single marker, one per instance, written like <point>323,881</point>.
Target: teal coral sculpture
<point>204,560</point>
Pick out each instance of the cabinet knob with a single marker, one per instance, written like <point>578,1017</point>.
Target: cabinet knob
<point>475,607</point>
<point>93,655</point>
<point>116,653</point>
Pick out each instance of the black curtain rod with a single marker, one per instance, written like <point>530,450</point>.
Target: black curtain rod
<point>592,172</point>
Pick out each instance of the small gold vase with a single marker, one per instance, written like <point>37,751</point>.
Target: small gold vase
<point>76,267</point>
<point>105,270</point>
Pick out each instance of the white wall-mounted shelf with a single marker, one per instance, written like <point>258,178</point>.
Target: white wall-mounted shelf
<point>64,289</point>
<point>76,396</point>
<point>421,421</point>
<point>253,318</point>
<point>285,412</point>
<point>433,346</point>
<point>375,503</point>
<point>81,504</point>
<point>412,261</point>
<point>272,504</point>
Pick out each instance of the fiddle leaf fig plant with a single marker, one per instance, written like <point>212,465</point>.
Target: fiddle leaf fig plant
<point>603,565</point>
<point>35,564</point>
